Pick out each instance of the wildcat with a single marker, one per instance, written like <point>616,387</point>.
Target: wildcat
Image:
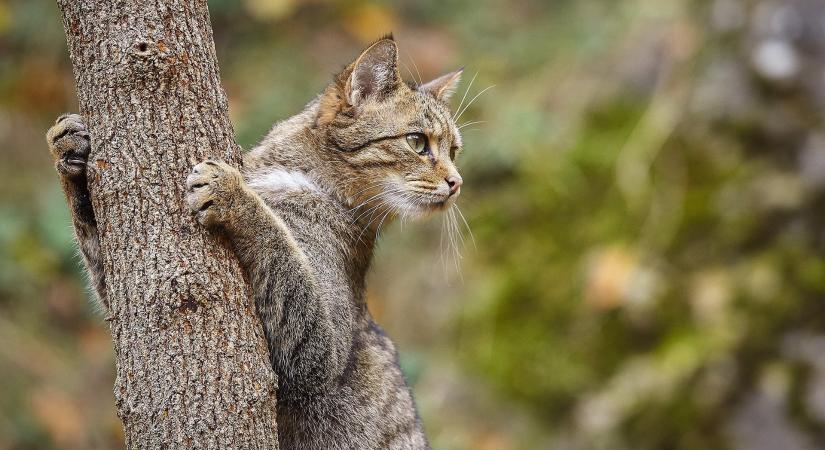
<point>303,216</point>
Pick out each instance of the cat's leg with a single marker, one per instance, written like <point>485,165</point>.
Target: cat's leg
<point>299,328</point>
<point>69,145</point>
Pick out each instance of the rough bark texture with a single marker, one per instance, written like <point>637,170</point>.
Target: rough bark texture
<point>192,365</point>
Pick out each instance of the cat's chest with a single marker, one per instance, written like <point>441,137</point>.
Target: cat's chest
<point>321,227</point>
<point>317,226</point>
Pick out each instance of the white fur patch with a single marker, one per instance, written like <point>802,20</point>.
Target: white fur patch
<point>282,180</point>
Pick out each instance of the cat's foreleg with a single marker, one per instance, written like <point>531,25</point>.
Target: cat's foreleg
<point>69,145</point>
<point>304,350</point>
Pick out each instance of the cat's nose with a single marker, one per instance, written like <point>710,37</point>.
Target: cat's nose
<point>454,181</point>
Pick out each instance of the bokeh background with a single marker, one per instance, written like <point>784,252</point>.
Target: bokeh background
<point>645,185</point>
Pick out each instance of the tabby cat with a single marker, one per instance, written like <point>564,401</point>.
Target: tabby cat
<point>303,217</point>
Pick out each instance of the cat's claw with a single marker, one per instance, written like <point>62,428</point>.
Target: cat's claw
<point>69,144</point>
<point>211,188</point>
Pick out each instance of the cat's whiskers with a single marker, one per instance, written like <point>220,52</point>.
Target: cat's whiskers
<point>461,111</point>
<point>380,193</point>
<point>471,123</point>
<point>411,74</point>
<point>378,229</point>
<point>466,91</point>
<point>461,235</point>
<point>371,186</point>
<point>449,241</point>
<point>472,238</point>
<point>404,216</point>
<point>360,205</point>
<point>375,211</point>
<point>371,211</point>
<point>405,209</point>
<point>420,79</point>
<point>454,241</point>
<point>457,228</point>
<point>441,243</point>
<point>456,236</point>
<point>367,226</point>
<point>367,213</point>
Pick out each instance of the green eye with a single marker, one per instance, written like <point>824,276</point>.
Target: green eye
<point>418,143</point>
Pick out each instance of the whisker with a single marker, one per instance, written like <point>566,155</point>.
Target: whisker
<point>450,234</point>
<point>475,122</point>
<point>364,212</point>
<point>375,211</point>
<point>465,95</point>
<point>353,209</point>
<point>406,210</point>
<point>378,230</point>
<point>456,232</point>
<point>420,79</point>
<point>456,253</point>
<point>441,242</point>
<point>394,191</point>
<point>372,218</point>
<point>373,185</point>
<point>472,238</point>
<point>410,72</point>
<point>366,201</point>
<point>371,208</point>
<point>473,100</point>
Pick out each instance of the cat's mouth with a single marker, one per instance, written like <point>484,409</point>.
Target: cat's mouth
<point>436,206</point>
<point>437,203</point>
<point>420,200</point>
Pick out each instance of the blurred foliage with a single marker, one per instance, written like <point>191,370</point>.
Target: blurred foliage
<point>645,192</point>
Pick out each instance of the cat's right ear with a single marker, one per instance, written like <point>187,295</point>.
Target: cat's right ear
<point>374,74</point>
<point>443,87</point>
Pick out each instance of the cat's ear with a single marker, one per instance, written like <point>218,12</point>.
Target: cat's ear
<point>444,86</point>
<point>374,73</point>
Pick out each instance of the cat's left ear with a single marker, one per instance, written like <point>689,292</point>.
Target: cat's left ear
<point>443,87</point>
<point>375,73</point>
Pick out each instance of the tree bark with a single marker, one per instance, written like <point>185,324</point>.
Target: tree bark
<point>192,364</point>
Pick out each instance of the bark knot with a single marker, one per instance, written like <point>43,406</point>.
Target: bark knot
<point>144,48</point>
<point>151,59</point>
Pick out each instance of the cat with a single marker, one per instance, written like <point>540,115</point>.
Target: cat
<point>302,216</point>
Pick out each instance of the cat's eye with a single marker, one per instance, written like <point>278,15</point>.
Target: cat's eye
<point>418,143</point>
<point>453,151</point>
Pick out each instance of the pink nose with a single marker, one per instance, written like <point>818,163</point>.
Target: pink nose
<point>454,181</point>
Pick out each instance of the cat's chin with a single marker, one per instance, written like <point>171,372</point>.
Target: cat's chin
<point>426,210</point>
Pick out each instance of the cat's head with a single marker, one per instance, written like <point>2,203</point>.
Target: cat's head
<point>394,143</point>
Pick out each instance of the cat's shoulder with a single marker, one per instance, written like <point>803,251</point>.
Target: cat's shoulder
<point>293,190</point>
<point>279,179</point>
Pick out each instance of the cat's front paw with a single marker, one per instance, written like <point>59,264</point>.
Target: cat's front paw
<point>69,145</point>
<point>213,189</point>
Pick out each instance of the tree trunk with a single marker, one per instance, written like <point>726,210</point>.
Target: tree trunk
<point>192,364</point>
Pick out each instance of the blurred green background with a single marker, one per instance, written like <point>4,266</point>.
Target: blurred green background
<point>645,189</point>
